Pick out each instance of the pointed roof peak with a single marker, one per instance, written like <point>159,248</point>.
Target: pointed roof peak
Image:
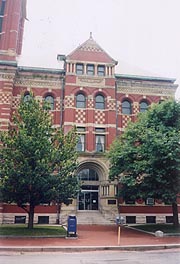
<point>90,51</point>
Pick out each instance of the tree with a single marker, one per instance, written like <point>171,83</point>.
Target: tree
<point>146,158</point>
<point>28,158</point>
<point>66,185</point>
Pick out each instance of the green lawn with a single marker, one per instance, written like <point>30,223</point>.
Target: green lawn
<point>166,228</point>
<point>22,230</point>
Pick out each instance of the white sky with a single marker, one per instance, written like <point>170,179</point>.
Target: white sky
<point>140,34</point>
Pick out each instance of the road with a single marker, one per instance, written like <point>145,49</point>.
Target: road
<point>97,257</point>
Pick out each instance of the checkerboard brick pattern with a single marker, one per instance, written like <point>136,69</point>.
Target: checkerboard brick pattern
<point>69,101</point>
<point>16,102</point>
<point>90,103</point>
<point>111,104</point>
<point>80,116</point>
<point>135,108</point>
<point>125,120</point>
<point>5,98</point>
<point>99,117</point>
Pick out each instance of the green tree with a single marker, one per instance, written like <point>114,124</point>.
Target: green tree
<point>66,184</point>
<point>28,158</point>
<point>146,158</point>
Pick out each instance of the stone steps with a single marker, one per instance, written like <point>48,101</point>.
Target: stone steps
<point>92,218</point>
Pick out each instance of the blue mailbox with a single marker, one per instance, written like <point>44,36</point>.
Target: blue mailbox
<point>72,225</point>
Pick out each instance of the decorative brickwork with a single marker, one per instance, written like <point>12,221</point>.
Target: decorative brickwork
<point>69,101</point>
<point>80,116</point>
<point>99,117</point>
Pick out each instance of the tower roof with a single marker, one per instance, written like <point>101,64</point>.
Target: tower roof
<point>90,51</point>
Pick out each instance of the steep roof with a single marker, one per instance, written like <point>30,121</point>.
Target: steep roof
<point>90,51</point>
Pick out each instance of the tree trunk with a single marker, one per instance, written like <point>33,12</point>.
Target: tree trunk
<point>175,214</point>
<point>58,213</point>
<point>31,217</point>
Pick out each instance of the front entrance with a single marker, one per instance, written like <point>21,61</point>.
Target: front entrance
<point>88,199</point>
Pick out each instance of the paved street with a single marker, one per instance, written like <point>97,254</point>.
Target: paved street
<point>106,257</point>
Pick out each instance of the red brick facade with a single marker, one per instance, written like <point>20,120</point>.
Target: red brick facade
<point>87,94</point>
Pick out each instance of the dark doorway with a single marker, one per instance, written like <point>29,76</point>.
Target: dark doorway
<point>88,199</point>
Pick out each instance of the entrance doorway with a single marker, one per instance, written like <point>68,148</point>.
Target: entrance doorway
<point>88,199</point>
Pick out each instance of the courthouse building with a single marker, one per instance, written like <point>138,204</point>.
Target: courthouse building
<point>90,94</point>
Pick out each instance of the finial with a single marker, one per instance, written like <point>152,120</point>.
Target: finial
<point>90,35</point>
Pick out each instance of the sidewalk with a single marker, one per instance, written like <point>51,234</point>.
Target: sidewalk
<point>92,237</point>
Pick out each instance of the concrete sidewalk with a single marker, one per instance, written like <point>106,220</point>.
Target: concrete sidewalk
<point>92,237</point>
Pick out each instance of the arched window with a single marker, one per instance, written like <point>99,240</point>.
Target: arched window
<point>27,97</point>
<point>143,106</point>
<point>100,102</point>
<point>50,100</point>
<point>126,107</point>
<point>88,175</point>
<point>80,101</point>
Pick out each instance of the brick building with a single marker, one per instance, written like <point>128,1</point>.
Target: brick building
<point>87,93</point>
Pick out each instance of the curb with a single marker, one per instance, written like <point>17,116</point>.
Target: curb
<point>87,248</point>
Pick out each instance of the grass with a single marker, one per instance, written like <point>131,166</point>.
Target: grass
<point>165,228</point>
<point>22,230</point>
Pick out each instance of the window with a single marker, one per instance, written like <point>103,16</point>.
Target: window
<point>100,140</point>
<point>100,143</point>
<point>81,141</point>
<point>50,100</point>
<point>2,9</point>
<point>130,219</point>
<point>169,219</point>
<point>143,106</point>
<point>88,175</point>
<point>27,97</point>
<point>150,219</point>
<point>79,69</point>
<point>43,219</point>
<point>101,70</point>
<point>100,102</point>
<point>80,101</point>
<point>20,219</point>
<point>90,69</point>
<point>126,107</point>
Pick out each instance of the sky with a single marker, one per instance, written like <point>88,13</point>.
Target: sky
<point>142,35</point>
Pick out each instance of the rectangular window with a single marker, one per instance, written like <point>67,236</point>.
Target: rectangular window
<point>100,139</point>
<point>80,147</point>
<point>150,219</point>
<point>130,219</point>
<point>100,143</point>
<point>79,69</point>
<point>90,69</point>
<point>169,219</point>
<point>2,9</point>
<point>43,219</point>
<point>101,70</point>
<point>20,219</point>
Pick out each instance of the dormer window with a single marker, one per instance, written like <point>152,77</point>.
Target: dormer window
<point>79,68</point>
<point>90,69</point>
<point>101,70</point>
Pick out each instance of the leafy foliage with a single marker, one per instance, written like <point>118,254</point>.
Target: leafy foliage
<point>146,158</point>
<point>31,153</point>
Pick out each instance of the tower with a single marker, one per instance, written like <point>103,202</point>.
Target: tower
<point>12,17</point>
